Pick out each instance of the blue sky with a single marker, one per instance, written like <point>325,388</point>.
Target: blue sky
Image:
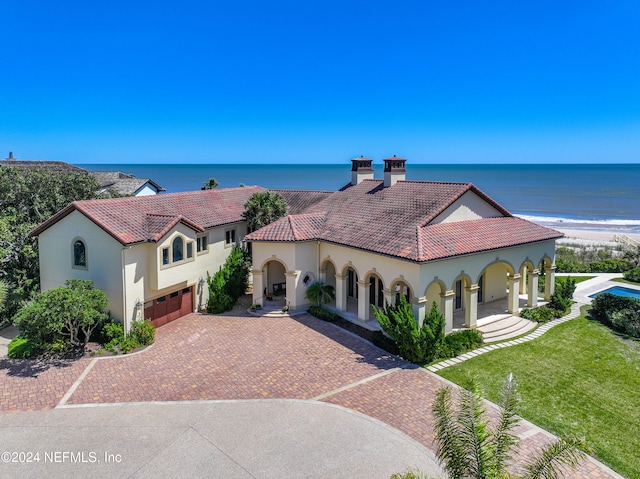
<point>309,81</point>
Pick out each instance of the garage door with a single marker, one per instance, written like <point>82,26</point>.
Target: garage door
<point>168,308</point>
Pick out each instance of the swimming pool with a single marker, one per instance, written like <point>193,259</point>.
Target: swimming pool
<point>620,291</point>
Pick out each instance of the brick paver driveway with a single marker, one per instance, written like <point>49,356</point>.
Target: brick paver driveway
<point>237,357</point>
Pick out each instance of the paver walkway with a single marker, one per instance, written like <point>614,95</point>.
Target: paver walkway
<point>238,357</point>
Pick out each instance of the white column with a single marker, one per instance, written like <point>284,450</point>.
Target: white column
<point>471,306</point>
<point>257,287</point>
<point>388,297</point>
<point>447,300</point>
<point>514,301</point>
<point>292,293</point>
<point>532,288</point>
<point>363,301</point>
<point>523,284</point>
<point>341,292</point>
<point>549,282</point>
<point>418,305</point>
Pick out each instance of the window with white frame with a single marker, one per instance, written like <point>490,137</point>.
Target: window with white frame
<point>179,251</point>
<point>230,237</point>
<point>202,244</point>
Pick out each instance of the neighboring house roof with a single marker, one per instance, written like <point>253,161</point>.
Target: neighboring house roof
<point>397,221</point>
<point>139,219</point>
<point>46,165</point>
<point>123,183</point>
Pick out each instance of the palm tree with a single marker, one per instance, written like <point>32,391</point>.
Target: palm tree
<point>211,184</point>
<point>263,208</point>
<point>320,293</point>
<point>471,448</point>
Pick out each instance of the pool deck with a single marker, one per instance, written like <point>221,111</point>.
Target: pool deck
<point>600,282</point>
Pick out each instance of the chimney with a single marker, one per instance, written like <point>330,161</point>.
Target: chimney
<point>394,170</point>
<point>361,170</point>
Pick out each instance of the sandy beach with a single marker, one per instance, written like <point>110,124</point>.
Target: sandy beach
<point>601,235</point>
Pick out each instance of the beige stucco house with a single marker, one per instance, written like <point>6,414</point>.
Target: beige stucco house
<point>372,240</point>
<point>376,239</point>
<point>149,254</point>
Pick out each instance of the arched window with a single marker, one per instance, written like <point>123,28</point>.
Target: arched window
<point>177,249</point>
<point>79,254</point>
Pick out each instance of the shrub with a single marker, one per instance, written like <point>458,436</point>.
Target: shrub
<point>324,314</point>
<point>605,304</point>
<point>541,314</point>
<point>384,342</point>
<point>219,300</point>
<point>59,345</point>
<point>459,342</point>
<point>627,320</point>
<point>111,331</point>
<point>418,345</point>
<point>632,275</point>
<point>143,332</point>
<point>73,310</point>
<point>22,348</point>
<point>236,272</point>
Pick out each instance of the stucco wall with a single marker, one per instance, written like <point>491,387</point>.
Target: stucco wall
<point>473,265</point>
<point>104,258</point>
<point>468,207</point>
<point>138,267</point>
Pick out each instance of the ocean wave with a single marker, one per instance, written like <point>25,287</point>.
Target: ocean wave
<point>582,223</point>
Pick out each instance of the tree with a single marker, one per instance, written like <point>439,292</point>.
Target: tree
<point>563,295</point>
<point>263,208</point>
<point>236,272</point>
<point>73,310</point>
<point>219,300</point>
<point>28,196</point>
<point>211,184</point>
<point>470,447</point>
<point>320,293</point>
<point>418,345</point>
<point>632,256</point>
<point>229,282</point>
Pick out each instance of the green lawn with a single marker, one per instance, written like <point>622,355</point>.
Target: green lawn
<point>578,378</point>
<point>577,279</point>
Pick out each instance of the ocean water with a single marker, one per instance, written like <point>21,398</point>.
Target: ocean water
<point>572,196</point>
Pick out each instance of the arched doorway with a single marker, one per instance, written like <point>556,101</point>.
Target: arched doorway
<point>376,291</point>
<point>274,283</point>
<point>328,277</point>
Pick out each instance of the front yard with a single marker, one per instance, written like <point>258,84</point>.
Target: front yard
<point>579,378</point>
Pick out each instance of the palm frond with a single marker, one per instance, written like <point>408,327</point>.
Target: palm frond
<point>568,452</point>
<point>447,435</point>
<point>503,439</point>
<point>475,435</point>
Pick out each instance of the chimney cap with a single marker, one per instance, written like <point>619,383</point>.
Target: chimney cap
<point>361,163</point>
<point>394,164</point>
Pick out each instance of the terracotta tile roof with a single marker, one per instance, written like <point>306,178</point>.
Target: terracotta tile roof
<point>147,218</point>
<point>395,221</point>
<point>444,240</point>
<point>300,200</point>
